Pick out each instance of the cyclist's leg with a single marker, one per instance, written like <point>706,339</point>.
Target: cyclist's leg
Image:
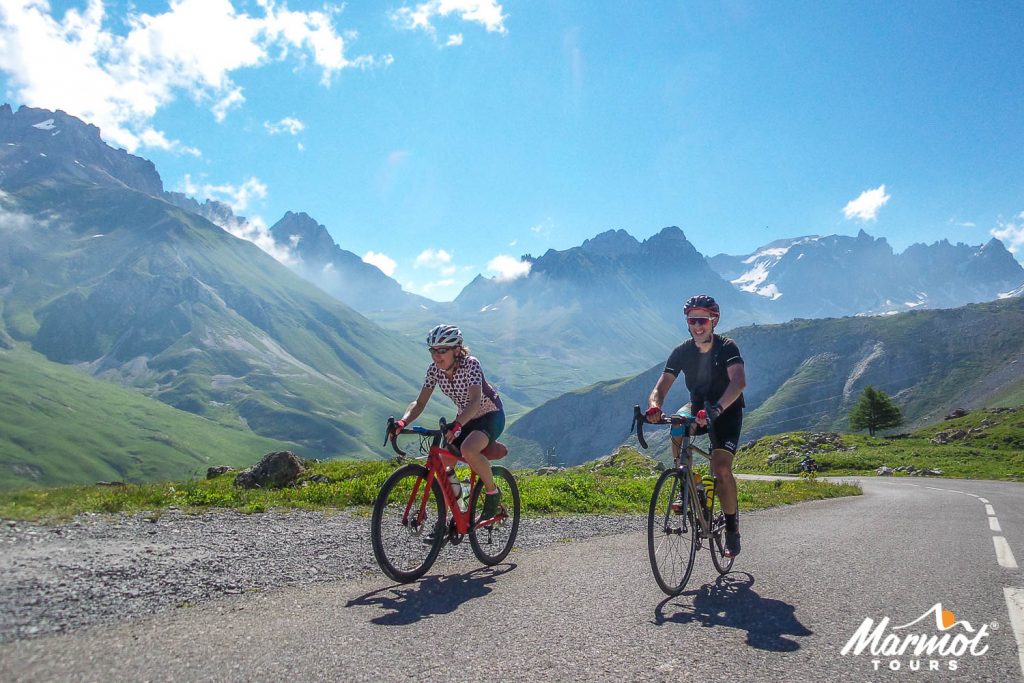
<point>725,487</point>
<point>727,436</point>
<point>472,451</point>
<point>476,435</point>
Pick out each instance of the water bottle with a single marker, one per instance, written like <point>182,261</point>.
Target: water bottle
<point>699,483</point>
<point>709,488</point>
<point>464,498</point>
<point>454,483</point>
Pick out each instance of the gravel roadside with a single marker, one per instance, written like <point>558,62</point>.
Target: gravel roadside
<point>111,568</point>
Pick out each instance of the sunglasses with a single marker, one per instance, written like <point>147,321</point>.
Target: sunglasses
<point>440,349</point>
<point>698,321</point>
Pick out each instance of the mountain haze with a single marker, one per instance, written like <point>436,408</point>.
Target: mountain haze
<point>100,270</point>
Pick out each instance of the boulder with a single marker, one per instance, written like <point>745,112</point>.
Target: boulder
<point>213,472</point>
<point>884,471</point>
<point>274,470</point>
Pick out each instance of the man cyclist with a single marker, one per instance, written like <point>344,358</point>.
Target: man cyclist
<point>713,370</point>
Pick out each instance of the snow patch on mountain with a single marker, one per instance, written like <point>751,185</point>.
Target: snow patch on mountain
<point>761,262</point>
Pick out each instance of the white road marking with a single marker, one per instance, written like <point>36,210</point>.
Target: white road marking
<point>1015,605</point>
<point>1003,553</point>
<point>983,500</point>
<point>993,524</point>
<point>989,510</point>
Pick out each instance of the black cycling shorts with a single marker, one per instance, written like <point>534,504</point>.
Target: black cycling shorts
<point>492,424</point>
<point>727,429</point>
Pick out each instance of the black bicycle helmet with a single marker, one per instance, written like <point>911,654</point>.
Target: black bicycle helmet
<point>702,302</point>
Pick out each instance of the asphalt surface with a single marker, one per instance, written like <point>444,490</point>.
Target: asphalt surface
<point>808,577</point>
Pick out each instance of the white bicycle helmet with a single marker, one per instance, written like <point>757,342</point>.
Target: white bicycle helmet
<point>445,335</point>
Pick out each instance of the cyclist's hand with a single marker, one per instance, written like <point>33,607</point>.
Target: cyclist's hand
<point>397,428</point>
<point>453,432</point>
<point>653,414</point>
<point>714,410</point>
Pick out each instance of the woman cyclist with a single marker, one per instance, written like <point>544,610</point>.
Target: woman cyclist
<point>480,419</point>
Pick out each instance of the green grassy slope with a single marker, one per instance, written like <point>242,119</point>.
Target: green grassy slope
<point>984,444</point>
<point>60,426</point>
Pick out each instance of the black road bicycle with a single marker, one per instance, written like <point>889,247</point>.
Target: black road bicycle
<point>682,516</point>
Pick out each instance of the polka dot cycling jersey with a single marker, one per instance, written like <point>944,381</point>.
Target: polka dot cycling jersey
<point>467,374</point>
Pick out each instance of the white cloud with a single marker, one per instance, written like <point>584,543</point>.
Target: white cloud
<point>436,259</point>
<point>288,124</point>
<point>508,268</point>
<point>120,82</point>
<point>382,261</point>
<point>1011,234</point>
<point>488,13</point>
<point>866,206</point>
<point>454,40</point>
<point>235,196</point>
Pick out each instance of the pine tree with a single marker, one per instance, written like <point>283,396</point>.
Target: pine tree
<point>874,411</point>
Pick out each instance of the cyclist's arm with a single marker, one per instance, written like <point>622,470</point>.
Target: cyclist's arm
<point>737,383</point>
<point>660,390</point>
<point>417,406</point>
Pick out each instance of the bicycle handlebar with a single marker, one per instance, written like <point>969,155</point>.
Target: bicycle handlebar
<point>640,419</point>
<point>392,436</point>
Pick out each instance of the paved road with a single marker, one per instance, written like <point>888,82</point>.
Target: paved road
<point>590,611</point>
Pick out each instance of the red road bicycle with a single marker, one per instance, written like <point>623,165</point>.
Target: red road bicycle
<point>416,511</point>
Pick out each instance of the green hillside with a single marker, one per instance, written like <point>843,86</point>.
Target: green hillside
<point>61,426</point>
<point>808,374</point>
<point>984,444</point>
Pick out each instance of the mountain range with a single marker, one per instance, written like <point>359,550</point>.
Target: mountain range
<point>807,375</point>
<point>151,292</point>
<point>102,270</point>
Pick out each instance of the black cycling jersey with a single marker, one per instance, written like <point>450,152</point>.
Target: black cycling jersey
<point>706,374</point>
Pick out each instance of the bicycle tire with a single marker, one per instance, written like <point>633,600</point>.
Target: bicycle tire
<point>492,544</point>
<point>671,550</point>
<point>400,547</point>
<point>721,561</point>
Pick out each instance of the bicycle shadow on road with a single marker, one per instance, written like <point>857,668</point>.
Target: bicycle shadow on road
<point>408,603</point>
<point>731,601</point>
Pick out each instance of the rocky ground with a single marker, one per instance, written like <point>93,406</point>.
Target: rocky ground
<point>104,568</point>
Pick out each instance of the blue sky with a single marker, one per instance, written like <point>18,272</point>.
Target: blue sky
<point>446,138</point>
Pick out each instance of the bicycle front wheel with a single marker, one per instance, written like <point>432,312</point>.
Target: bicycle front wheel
<point>672,540</point>
<point>404,515</point>
<point>491,544</point>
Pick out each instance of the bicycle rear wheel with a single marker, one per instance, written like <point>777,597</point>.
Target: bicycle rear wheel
<point>404,514</point>
<point>491,544</point>
<point>722,562</point>
<point>671,541</point>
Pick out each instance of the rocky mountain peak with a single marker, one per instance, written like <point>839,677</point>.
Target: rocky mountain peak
<point>611,243</point>
<point>304,236</point>
<point>38,144</point>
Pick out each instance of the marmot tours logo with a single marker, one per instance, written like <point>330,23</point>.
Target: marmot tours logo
<point>915,646</point>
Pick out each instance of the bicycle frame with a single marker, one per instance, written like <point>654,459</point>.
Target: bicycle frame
<point>436,471</point>
<point>684,465</point>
